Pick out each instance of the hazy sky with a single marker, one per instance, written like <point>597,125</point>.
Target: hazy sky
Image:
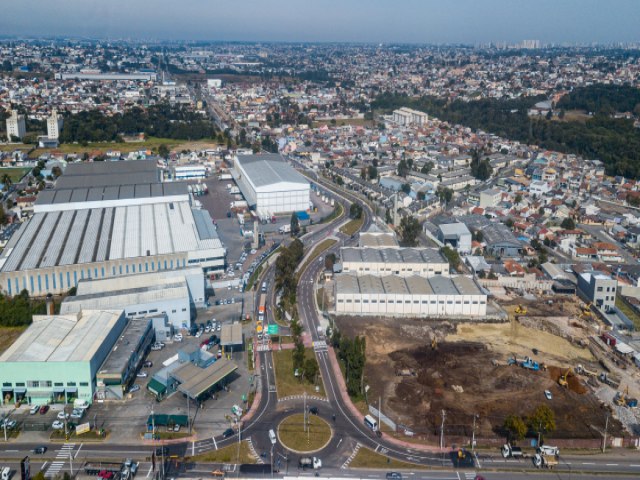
<point>420,21</point>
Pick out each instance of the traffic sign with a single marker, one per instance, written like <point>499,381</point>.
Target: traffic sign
<point>272,329</point>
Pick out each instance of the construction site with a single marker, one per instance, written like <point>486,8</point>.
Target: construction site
<point>548,353</point>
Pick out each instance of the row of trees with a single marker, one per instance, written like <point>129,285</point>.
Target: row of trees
<point>614,141</point>
<point>603,99</point>
<point>353,355</point>
<point>286,263</point>
<point>17,311</point>
<point>307,368</point>
<point>542,420</point>
<point>161,120</point>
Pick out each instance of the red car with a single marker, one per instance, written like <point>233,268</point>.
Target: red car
<point>44,409</point>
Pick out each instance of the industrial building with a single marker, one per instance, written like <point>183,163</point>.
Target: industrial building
<point>404,262</point>
<point>57,358</point>
<point>599,289</point>
<point>456,235</point>
<point>176,293</point>
<point>376,238</point>
<point>185,172</point>
<point>81,231</point>
<point>415,296</point>
<point>270,185</point>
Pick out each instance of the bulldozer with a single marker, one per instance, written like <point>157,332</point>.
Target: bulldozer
<point>563,381</point>
<point>521,310</point>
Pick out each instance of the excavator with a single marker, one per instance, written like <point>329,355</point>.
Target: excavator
<point>621,398</point>
<point>586,310</point>
<point>563,381</point>
<point>521,310</point>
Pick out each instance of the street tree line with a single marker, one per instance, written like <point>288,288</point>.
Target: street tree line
<point>352,353</point>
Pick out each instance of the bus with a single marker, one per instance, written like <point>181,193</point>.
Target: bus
<point>262,308</point>
<point>371,422</point>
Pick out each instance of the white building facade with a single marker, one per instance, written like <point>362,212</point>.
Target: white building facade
<point>54,125</point>
<point>16,126</point>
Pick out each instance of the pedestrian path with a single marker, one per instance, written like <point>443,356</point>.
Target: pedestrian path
<point>253,451</point>
<point>61,458</point>
<point>351,457</point>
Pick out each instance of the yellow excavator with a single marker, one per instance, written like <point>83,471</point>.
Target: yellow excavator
<point>586,310</point>
<point>621,397</point>
<point>521,310</point>
<point>563,381</point>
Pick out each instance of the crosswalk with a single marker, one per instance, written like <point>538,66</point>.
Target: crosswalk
<point>61,458</point>
<point>469,475</point>
<point>351,457</point>
<point>253,451</point>
<point>263,347</point>
<point>320,346</point>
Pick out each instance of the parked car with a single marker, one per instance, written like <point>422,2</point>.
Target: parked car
<point>40,450</point>
<point>141,375</point>
<point>57,425</point>
<point>77,413</point>
<point>547,394</point>
<point>394,476</point>
<point>218,327</point>
<point>156,347</point>
<point>148,364</point>
<point>198,334</point>
<point>44,409</point>
<point>228,432</point>
<point>134,388</point>
<point>34,409</point>
<point>177,337</point>
<point>62,415</point>
<point>176,428</point>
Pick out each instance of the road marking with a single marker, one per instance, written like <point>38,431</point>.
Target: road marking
<point>193,448</point>
<point>44,465</point>
<point>590,463</point>
<point>13,451</point>
<point>634,465</point>
<point>150,470</point>
<point>78,450</point>
<point>214,442</point>
<point>611,464</point>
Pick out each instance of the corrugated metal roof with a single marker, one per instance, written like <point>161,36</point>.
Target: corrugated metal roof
<point>269,169</point>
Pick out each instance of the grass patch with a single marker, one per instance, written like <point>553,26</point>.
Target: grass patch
<point>286,383</point>
<point>254,276</point>
<point>338,210</point>
<point>317,251</point>
<point>229,454</point>
<point>16,173</point>
<point>629,312</point>
<point>91,436</point>
<point>151,143</point>
<point>8,335</point>
<point>353,226</point>
<point>292,434</point>
<point>172,435</point>
<point>366,458</point>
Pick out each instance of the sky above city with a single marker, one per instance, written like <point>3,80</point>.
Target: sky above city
<point>414,21</point>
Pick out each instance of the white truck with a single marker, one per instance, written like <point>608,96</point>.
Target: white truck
<point>234,190</point>
<point>511,452</point>
<point>309,462</point>
<point>544,461</point>
<point>238,204</point>
<point>285,229</point>
<point>548,450</point>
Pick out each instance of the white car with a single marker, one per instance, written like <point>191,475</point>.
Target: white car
<point>141,374</point>
<point>62,415</point>
<point>218,327</point>
<point>77,413</point>
<point>57,425</point>
<point>177,337</point>
<point>198,334</point>
<point>547,394</point>
<point>35,409</point>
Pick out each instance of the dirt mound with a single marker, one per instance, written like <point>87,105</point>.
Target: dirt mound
<point>575,384</point>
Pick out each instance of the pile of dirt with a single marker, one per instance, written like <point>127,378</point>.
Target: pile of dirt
<point>575,384</point>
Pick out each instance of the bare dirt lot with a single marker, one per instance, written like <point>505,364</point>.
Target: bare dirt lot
<point>466,374</point>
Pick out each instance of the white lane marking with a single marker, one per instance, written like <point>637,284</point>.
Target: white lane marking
<point>78,450</point>
<point>193,448</point>
<point>214,442</point>
<point>44,465</point>
<point>611,464</point>
<point>588,463</point>
<point>150,470</point>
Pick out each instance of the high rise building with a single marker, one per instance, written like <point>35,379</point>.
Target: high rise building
<point>16,126</point>
<point>54,125</point>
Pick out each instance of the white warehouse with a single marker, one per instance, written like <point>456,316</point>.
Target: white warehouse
<point>412,296</point>
<point>270,184</point>
<point>425,262</point>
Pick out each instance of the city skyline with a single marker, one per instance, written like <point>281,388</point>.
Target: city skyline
<point>407,21</point>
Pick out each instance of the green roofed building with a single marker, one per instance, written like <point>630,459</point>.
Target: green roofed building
<point>56,359</point>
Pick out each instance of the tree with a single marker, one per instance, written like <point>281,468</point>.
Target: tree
<point>56,171</point>
<point>387,217</point>
<point>542,419</point>
<point>6,181</point>
<point>298,355</point>
<point>406,188</point>
<point>426,168</point>
<point>3,217</point>
<point>295,225</point>
<point>409,230</point>
<point>373,172</point>
<point>329,261</point>
<point>310,369</point>
<point>355,211</point>
<point>452,256</point>
<point>568,224</point>
<point>518,198</point>
<point>402,168</point>
<point>363,173</point>
<point>444,194</point>
<point>515,427</point>
<point>163,151</point>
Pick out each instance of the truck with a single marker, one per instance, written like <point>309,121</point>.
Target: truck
<point>239,204</point>
<point>225,176</point>
<point>544,461</point>
<point>131,466</point>
<point>530,364</point>
<point>548,450</point>
<point>609,380</point>
<point>582,370</point>
<point>285,229</point>
<point>309,462</point>
<point>234,190</point>
<point>102,468</point>
<point>508,451</point>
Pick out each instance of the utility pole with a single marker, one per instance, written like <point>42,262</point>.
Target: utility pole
<point>473,436</point>
<point>380,412</point>
<point>539,432</point>
<point>304,414</point>
<point>604,440</point>
<point>189,414</point>
<point>444,415</point>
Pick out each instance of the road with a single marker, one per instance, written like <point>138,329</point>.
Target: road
<point>350,432</point>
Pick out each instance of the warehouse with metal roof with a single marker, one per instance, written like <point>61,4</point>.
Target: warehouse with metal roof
<point>425,262</point>
<point>270,185</point>
<point>104,232</point>
<point>413,295</point>
<point>57,358</point>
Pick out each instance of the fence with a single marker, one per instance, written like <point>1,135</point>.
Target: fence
<point>383,418</point>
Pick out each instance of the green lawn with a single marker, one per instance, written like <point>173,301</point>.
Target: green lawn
<point>16,173</point>
<point>353,226</point>
<point>629,312</point>
<point>292,434</point>
<point>8,335</point>
<point>286,383</point>
<point>150,143</point>
<point>228,455</point>
<point>366,458</point>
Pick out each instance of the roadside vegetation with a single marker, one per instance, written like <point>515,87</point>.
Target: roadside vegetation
<point>366,458</point>
<point>230,454</point>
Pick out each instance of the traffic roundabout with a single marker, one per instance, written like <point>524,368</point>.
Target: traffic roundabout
<point>299,436</point>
